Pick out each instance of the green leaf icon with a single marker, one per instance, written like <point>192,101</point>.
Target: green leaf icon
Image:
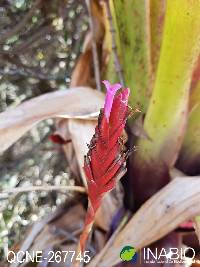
<point>127,253</point>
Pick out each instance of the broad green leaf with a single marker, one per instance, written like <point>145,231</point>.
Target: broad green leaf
<point>190,153</point>
<point>195,86</point>
<point>166,118</point>
<point>189,158</point>
<point>157,15</point>
<point>131,21</point>
<point>166,115</point>
<point>110,72</point>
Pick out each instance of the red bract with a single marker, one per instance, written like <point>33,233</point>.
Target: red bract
<point>105,162</point>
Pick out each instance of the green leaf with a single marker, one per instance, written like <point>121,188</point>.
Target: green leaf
<point>189,158</point>
<point>166,118</point>
<point>157,15</point>
<point>131,21</point>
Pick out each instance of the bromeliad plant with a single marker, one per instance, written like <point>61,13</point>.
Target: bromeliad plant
<point>158,44</point>
<point>154,45</point>
<point>105,162</point>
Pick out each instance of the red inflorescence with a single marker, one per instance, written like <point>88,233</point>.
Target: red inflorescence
<point>105,162</point>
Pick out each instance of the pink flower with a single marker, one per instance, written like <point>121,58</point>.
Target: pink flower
<point>111,91</point>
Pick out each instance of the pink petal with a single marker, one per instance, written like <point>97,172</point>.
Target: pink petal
<point>111,91</point>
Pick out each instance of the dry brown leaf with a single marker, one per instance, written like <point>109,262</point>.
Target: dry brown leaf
<point>81,132</point>
<point>196,221</point>
<point>162,213</point>
<point>78,76</point>
<point>62,133</point>
<point>100,239</point>
<point>69,104</point>
<point>56,232</point>
<point>83,73</point>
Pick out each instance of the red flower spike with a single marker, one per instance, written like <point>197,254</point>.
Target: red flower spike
<point>105,162</point>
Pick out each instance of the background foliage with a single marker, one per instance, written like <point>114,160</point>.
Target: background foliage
<point>39,44</point>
